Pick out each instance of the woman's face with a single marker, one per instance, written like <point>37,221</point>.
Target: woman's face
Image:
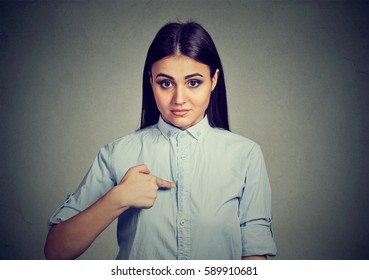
<point>182,88</point>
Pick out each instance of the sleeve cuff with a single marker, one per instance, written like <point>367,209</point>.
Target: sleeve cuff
<point>257,239</point>
<point>62,214</point>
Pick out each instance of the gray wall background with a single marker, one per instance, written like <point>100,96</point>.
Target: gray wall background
<point>297,75</point>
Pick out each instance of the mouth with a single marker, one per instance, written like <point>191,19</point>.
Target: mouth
<point>179,112</point>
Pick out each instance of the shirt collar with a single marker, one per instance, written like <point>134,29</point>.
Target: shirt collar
<point>195,131</point>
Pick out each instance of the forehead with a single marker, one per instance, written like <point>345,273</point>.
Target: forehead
<point>179,66</point>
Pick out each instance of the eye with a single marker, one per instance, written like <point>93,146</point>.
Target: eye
<point>194,83</point>
<point>166,84</point>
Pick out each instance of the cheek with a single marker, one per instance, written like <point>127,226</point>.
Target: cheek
<point>161,100</point>
<point>202,100</point>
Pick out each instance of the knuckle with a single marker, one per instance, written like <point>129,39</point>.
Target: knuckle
<point>161,182</point>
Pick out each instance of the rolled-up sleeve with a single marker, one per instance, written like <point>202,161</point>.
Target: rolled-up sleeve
<point>255,208</point>
<point>98,180</point>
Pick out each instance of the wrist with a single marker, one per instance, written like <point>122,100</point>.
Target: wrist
<point>116,197</point>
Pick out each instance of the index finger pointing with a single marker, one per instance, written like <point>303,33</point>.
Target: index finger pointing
<point>164,184</point>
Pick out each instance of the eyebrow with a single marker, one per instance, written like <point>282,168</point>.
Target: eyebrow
<point>186,77</point>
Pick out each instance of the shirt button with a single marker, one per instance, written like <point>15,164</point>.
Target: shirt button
<point>183,157</point>
<point>182,223</point>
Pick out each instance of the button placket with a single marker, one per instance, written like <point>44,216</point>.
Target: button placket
<point>183,218</point>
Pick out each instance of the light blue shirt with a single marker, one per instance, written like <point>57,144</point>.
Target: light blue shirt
<point>219,209</point>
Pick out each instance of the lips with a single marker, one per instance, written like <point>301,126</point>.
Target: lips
<point>179,112</point>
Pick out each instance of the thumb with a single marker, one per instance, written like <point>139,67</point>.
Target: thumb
<point>141,169</point>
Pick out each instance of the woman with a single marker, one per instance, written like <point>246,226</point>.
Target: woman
<point>183,186</point>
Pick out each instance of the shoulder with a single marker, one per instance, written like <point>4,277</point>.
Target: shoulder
<point>133,140</point>
<point>236,148</point>
<point>232,139</point>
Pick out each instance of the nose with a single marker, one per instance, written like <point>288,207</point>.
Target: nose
<point>179,97</point>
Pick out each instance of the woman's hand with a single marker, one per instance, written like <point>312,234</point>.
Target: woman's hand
<point>138,188</point>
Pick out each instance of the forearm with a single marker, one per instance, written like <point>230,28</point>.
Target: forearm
<point>71,238</point>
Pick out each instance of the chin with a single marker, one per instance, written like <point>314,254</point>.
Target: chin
<point>180,123</point>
